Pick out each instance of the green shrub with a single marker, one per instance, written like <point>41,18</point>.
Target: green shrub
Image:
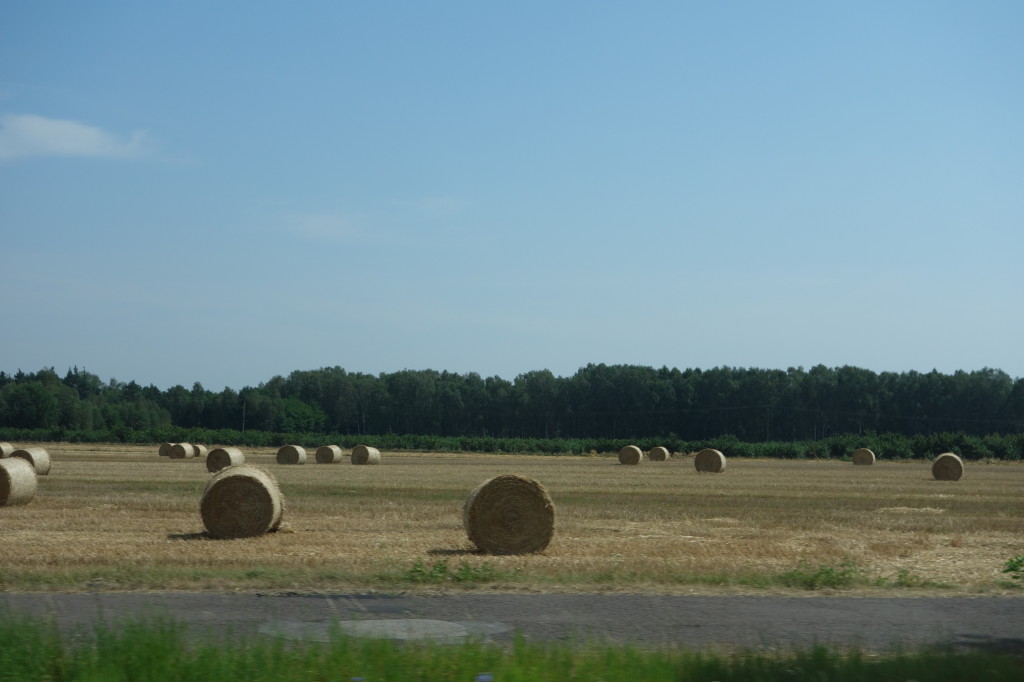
<point>1015,567</point>
<point>808,578</point>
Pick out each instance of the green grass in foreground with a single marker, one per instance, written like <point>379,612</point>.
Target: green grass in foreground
<point>163,650</point>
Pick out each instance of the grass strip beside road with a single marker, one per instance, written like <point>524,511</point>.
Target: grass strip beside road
<point>164,650</point>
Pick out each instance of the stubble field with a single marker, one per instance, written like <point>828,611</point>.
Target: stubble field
<point>114,517</point>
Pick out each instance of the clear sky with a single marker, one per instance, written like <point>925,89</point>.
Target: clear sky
<point>225,191</point>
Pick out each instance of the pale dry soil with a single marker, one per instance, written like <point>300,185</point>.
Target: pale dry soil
<point>116,517</point>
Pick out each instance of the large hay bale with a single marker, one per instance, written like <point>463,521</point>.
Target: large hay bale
<point>328,454</point>
<point>291,454</point>
<point>5,450</point>
<point>710,461</point>
<point>39,458</point>
<point>658,454</point>
<point>947,467</point>
<point>165,449</point>
<point>222,458</point>
<point>631,454</point>
<point>509,514</point>
<point>198,450</point>
<point>18,481</point>
<point>181,451</point>
<point>241,502</point>
<point>364,454</point>
<point>863,457</point>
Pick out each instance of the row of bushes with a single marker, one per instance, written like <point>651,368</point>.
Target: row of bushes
<point>885,446</point>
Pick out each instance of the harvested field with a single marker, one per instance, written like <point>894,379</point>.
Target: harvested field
<point>116,517</point>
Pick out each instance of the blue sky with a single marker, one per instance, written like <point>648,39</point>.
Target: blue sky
<point>221,192</point>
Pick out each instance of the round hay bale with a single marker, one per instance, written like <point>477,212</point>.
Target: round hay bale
<point>631,454</point>
<point>947,467</point>
<point>291,454</point>
<point>863,457</point>
<point>711,461</point>
<point>241,502</point>
<point>658,454</point>
<point>509,514</point>
<point>39,458</point>
<point>165,449</point>
<point>5,450</point>
<point>222,458</point>
<point>198,450</point>
<point>181,451</point>
<point>328,454</point>
<point>364,454</point>
<point>18,481</point>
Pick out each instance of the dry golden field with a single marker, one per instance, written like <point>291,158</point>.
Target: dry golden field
<point>114,517</point>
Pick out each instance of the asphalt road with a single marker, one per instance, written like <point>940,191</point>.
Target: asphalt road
<point>875,624</point>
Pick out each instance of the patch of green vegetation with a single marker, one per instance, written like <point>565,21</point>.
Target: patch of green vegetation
<point>1014,567</point>
<point>905,578</point>
<point>824,576</point>
<point>161,649</point>
<point>846,575</point>
<point>813,578</point>
<point>440,572</point>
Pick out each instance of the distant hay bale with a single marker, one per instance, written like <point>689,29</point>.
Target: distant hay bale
<point>710,461</point>
<point>165,449</point>
<point>241,502</point>
<point>5,450</point>
<point>18,481</point>
<point>364,454</point>
<point>181,451</point>
<point>631,454</point>
<point>947,467</point>
<point>39,458</point>
<point>509,514</point>
<point>658,454</point>
<point>198,450</point>
<point>863,457</point>
<point>222,458</point>
<point>328,454</point>
<point>291,454</point>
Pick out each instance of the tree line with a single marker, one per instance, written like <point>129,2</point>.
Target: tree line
<point>597,402</point>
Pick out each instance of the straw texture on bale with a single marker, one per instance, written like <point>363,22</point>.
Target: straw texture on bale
<point>198,450</point>
<point>241,502</point>
<point>863,457</point>
<point>165,449</point>
<point>39,458</point>
<point>631,454</point>
<point>711,461</point>
<point>364,454</point>
<point>658,454</point>
<point>181,451</point>
<point>17,482</point>
<point>948,467</point>
<point>509,514</point>
<point>5,450</point>
<point>291,454</point>
<point>328,454</point>
<point>221,458</point>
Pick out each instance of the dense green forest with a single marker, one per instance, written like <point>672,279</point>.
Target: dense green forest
<point>597,402</point>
